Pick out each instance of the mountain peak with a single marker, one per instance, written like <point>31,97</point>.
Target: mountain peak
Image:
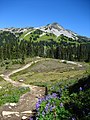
<point>57,30</point>
<point>55,25</point>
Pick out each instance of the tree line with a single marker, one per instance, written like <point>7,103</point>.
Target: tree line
<point>11,47</point>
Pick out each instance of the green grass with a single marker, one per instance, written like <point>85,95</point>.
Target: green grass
<point>22,36</point>
<point>49,71</point>
<point>47,37</point>
<point>33,34</point>
<point>10,93</point>
<point>14,64</point>
<point>47,78</point>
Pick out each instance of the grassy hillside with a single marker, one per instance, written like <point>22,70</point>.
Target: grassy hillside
<point>22,36</point>
<point>49,71</point>
<point>37,35</point>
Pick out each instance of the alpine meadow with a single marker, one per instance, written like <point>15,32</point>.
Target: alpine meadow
<point>44,60</point>
<point>46,67</point>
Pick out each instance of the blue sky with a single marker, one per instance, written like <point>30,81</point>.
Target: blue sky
<point>71,14</point>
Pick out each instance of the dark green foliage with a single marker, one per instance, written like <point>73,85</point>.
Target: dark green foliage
<point>11,47</point>
<point>70,102</point>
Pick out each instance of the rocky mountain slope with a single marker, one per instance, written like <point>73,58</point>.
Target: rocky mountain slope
<point>47,33</point>
<point>53,28</point>
<point>58,30</point>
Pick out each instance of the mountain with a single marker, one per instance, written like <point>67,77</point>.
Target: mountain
<point>53,28</point>
<point>51,40</point>
<point>58,30</point>
<point>52,31</point>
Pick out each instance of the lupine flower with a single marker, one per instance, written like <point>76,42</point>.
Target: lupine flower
<point>54,95</point>
<point>73,118</point>
<point>40,100</point>
<point>80,89</point>
<point>46,108</point>
<point>48,97</point>
<point>61,104</point>
<point>43,113</point>
<point>52,107</point>
<point>37,105</point>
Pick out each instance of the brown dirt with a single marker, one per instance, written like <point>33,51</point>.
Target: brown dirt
<point>26,104</point>
<point>24,108</point>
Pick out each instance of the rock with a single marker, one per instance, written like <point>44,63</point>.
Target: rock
<point>9,107</point>
<point>17,115</point>
<point>26,112</point>
<point>6,113</point>
<point>13,104</point>
<point>0,87</point>
<point>21,80</point>
<point>79,65</point>
<point>2,75</point>
<point>62,60</point>
<point>7,104</point>
<point>37,57</point>
<point>24,117</point>
<point>72,68</point>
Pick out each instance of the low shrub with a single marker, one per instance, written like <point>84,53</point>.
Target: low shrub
<point>66,104</point>
<point>11,94</point>
<point>51,108</point>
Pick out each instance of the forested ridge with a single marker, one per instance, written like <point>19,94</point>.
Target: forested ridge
<point>62,47</point>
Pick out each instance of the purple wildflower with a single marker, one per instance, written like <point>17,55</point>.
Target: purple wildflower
<point>48,97</point>
<point>43,113</point>
<point>52,107</point>
<point>80,89</point>
<point>54,95</point>
<point>40,100</point>
<point>37,105</point>
<point>61,104</point>
<point>46,108</point>
<point>73,118</point>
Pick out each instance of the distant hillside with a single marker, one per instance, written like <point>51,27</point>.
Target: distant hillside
<point>51,40</point>
<point>53,28</point>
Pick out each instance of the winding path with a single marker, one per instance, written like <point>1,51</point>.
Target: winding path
<point>24,108</point>
<point>15,83</point>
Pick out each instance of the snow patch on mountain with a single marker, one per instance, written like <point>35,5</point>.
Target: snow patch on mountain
<point>16,30</point>
<point>54,28</point>
<point>42,34</point>
<point>28,33</point>
<point>57,30</point>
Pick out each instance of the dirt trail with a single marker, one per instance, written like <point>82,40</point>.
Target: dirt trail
<point>15,83</point>
<point>23,109</point>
